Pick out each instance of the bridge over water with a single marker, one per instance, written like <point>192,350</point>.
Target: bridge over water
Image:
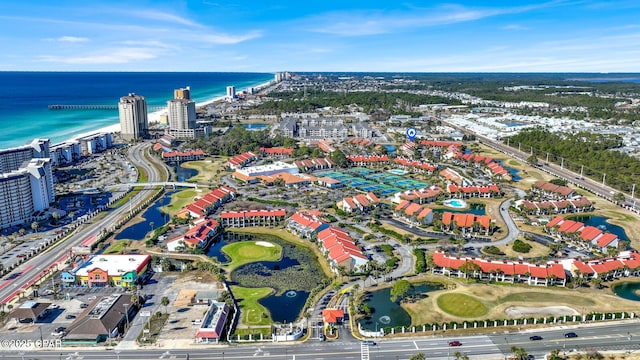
<point>98,107</point>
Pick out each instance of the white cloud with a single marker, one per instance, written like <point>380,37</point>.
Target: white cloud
<point>108,56</point>
<point>375,22</point>
<point>163,16</point>
<point>227,39</point>
<point>515,27</point>
<point>72,39</point>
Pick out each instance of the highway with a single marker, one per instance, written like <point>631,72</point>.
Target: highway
<point>31,269</point>
<point>595,187</point>
<point>618,336</point>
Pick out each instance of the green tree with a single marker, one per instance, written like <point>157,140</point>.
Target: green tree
<point>339,158</point>
<point>418,356</point>
<point>35,226</point>
<point>532,160</point>
<point>618,198</point>
<point>164,302</point>
<point>399,290</point>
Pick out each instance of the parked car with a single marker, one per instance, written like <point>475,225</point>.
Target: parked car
<point>455,343</point>
<point>84,306</point>
<point>535,337</point>
<point>571,335</point>
<point>321,337</point>
<point>70,316</point>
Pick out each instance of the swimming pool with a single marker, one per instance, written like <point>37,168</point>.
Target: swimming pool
<point>455,203</point>
<point>397,171</point>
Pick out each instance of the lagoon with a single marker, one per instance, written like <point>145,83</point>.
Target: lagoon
<point>390,314</point>
<point>153,215</point>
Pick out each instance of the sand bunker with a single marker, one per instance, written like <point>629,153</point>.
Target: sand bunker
<point>264,243</point>
<point>545,310</point>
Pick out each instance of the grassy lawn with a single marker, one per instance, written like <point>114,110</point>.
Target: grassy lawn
<point>461,305</point>
<point>287,236</point>
<point>496,298</point>
<point>536,250</point>
<point>116,247</point>
<point>249,251</point>
<point>513,163</point>
<point>252,313</point>
<point>208,170</point>
<point>179,200</point>
<point>156,323</point>
<point>550,298</point>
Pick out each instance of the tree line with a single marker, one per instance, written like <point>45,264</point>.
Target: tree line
<point>596,152</point>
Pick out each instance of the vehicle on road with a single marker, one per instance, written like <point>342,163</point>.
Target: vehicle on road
<point>535,337</point>
<point>455,343</point>
<point>571,335</point>
<point>58,331</point>
<point>369,343</point>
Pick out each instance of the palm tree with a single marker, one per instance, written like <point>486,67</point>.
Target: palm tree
<point>164,302</point>
<point>35,226</point>
<point>135,300</point>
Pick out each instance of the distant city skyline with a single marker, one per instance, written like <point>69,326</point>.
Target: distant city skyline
<point>364,36</point>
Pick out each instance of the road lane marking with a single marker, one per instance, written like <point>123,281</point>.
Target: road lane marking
<point>416,345</point>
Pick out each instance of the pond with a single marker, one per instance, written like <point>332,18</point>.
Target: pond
<point>390,314</point>
<point>184,174</point>
<point>153,214</point>
<point>292,277</point>
<point>628,290</point>
<point>601,223</point>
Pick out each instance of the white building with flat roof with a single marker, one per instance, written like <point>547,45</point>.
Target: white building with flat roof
<point>269,169</point>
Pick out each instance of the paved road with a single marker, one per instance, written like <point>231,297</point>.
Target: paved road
<point>620,336</point>
<point>596,187</point>
<point>31,269</point>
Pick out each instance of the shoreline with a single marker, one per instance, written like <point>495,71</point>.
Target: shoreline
<point>154,117</point>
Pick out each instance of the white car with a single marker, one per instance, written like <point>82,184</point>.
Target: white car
<point>54,306</point>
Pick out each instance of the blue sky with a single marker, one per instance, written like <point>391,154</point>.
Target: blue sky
<point>266,36</point>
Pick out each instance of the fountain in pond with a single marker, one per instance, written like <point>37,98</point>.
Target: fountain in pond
<point>291,293</point>
<point>386,319</point>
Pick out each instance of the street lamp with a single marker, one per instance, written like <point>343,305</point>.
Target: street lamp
<point>118,355</point>
<point>126,313</point>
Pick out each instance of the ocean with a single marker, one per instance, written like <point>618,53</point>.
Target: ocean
<point>25,96</point>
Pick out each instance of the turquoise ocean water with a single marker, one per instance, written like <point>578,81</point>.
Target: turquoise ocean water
<point>25,96</point>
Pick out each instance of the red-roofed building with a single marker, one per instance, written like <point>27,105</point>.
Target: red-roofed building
<point>332,316</point>
<point>305,225</point>
<point>414,213</point>
<point>470,191</point>
<point>201,235</point>
<point>414,165</point>
<point>180,156</point>
<point>466,222</point>
<point>505,271</point>
<point>252,218</point>
<point>551,191</point>
<point>314,164</point>
<point>277,152</point>
<point>208,203</point>
<point>368,160</point>
<point>421,196</point>
<point>341,250</point>
<point>358,203</point>
<point>212,325</point>
<point>240,161</point>
<point>581,204</point>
